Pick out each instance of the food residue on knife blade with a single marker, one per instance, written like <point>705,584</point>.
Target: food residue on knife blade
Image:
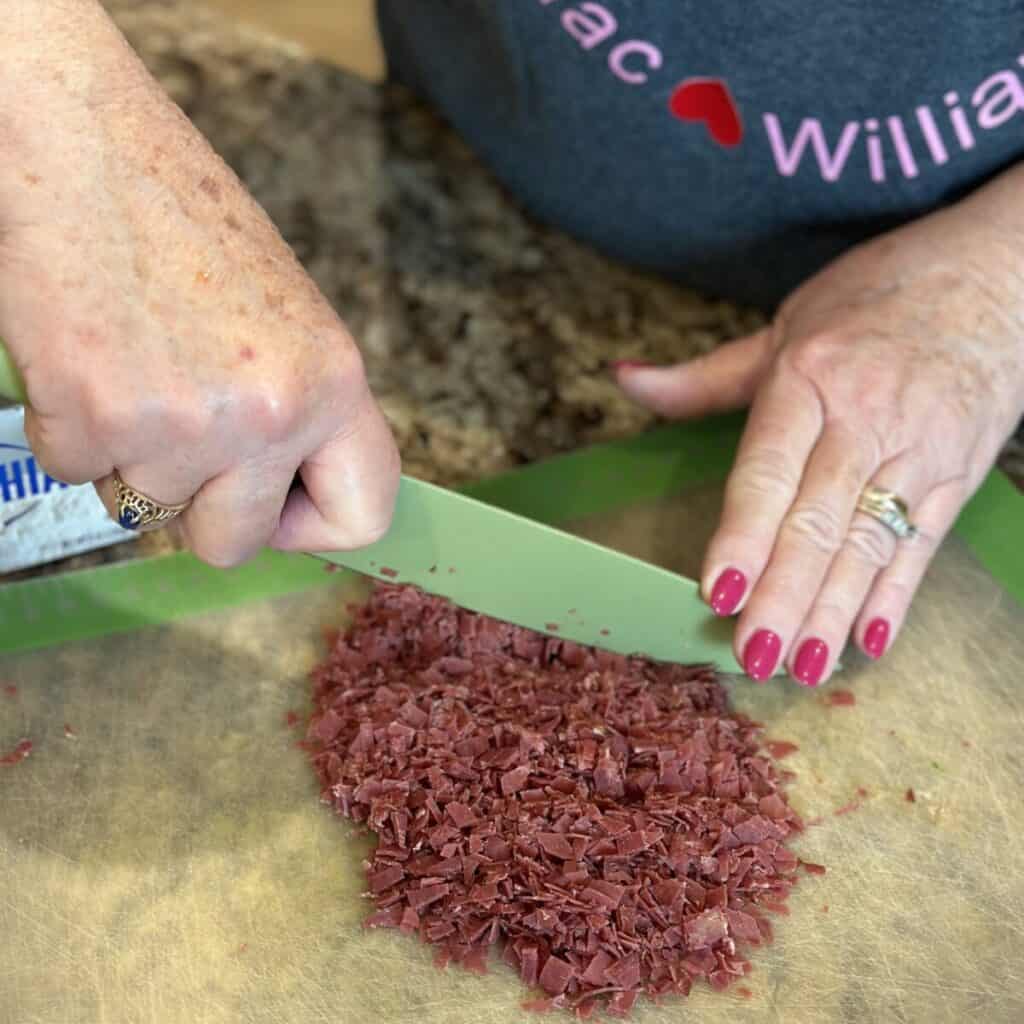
<point>606,823</point>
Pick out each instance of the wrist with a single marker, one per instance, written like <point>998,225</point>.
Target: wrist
<point>58,58</point>
<point>69,84</point>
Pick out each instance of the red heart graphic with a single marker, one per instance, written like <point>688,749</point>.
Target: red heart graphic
<point>709,100</point>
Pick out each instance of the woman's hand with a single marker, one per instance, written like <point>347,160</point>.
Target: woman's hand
<point>162,326</point>
<point>900,366</point>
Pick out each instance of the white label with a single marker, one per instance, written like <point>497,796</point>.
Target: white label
<point>42,519</point>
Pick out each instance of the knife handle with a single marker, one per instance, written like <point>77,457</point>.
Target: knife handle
<point>12,387</point>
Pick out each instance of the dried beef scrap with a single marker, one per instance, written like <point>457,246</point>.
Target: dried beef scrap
<point>812,869</point>
<point>19,753</point>
<point>854,805</point>
<point>841,699</point>
<point>606,823</point>
<point>781,748</point>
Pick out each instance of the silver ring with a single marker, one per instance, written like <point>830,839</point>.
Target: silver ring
<point>135,510</point>
<point>888,509</point>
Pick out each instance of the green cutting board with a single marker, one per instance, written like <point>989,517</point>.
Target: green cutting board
<point>51,610</point>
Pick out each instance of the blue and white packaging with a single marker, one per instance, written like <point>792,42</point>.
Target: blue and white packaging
<point>41,519</point>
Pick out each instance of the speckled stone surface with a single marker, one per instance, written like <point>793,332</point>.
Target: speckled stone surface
<point>486,336</point>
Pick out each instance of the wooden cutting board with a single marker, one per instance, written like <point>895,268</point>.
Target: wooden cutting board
<point>170,861</point>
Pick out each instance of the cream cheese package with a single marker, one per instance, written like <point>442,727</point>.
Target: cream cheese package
<point>42,519</point>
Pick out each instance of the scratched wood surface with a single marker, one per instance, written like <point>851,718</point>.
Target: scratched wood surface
<point>171,863</point>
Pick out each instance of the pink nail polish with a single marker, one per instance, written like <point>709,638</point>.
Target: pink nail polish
<point>630,364</point>
<point>876,638</point>
<point>761,655</point>
<point>728,591</point>
<point>810,662</point>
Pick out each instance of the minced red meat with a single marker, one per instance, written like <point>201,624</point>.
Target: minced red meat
<point>606,822</point>
<point>19,753</point>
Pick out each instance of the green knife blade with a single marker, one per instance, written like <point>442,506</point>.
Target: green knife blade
<point>11,386</point>
<point>491,561</point>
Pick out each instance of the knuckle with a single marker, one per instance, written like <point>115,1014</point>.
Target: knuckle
<point>327,379</point>
<point>345,380</point>
<point>109,416</point>
<point>899,590</point>
<point>766,472</point>
<point>816,524</point>
<point>274,412</point>
<point>191,422</point>
<point>814,357</point>
<point>848,475</point>
<point>871,544</point>
<point>834,615</point>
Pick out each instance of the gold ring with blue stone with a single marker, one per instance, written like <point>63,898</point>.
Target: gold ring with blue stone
<point>135,511</point>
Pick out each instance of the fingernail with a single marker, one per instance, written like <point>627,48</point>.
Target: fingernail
<point>810,662</point>
<point>728,591</point>
<point>761,655</point>
<point>630,364</point>
<point>876,638</point>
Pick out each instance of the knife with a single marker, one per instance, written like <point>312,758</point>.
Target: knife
<point>491,561</point>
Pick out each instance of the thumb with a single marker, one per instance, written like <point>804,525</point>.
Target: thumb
<point>720,381</point>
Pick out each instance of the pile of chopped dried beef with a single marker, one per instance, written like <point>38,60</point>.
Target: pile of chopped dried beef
<point>606,822</point>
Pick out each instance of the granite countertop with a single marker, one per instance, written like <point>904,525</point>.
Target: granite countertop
<point>487,337</point>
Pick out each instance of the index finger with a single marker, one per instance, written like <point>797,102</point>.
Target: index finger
<point>785,423</point>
